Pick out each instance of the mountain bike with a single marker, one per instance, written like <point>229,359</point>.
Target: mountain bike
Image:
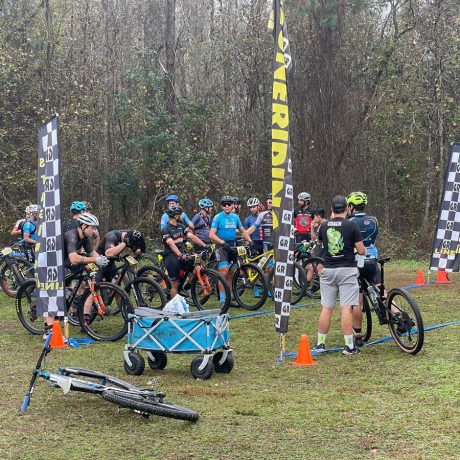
<point>109,308</point>
<point>304,254</point>
<point>14,270</point>
<point>141,400</point>
<point>398,310</point>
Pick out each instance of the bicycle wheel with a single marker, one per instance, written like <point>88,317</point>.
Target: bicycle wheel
<point>13,275</point>
<point>206,292</point>
<point>249,286</point>
<point>313,286</point>
<point>158,275</point>
<point>26,307</point>
<point>145,292</point>
<point>110,322</point>
<point>149,406</point>
<point>405,321</point>
<point>366,324</point>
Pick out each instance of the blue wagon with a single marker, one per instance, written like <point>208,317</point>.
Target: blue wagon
<point>159,332</point>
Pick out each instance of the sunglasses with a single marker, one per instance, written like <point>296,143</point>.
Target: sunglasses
<point>227,204</point>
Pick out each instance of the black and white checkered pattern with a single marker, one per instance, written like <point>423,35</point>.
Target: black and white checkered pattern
<point>446,247</point>
<point>49,268</point>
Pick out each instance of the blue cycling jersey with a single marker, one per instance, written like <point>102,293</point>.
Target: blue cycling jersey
<point>226,226</point>
<point>165,220</point>
<point>369,228</point>
<point>248,222</point>
<point>30,228</point>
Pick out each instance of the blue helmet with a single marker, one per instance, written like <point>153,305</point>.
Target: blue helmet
<point>205,203</point>
<point>172,198</point>
<point>77,206</point>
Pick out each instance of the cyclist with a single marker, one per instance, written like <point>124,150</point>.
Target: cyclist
<point>253,205</point>
<point>303,217</point>
<point>341,237</point>
<point>369,227</point>
<point>17,228</point>
<point>113,244</point>
<point>75,239</point>
<point>29,232</point>
<point>236,205</point>
<point>264,221</point>
<point>173,201</point>
<point>223,232</point>
<point>173,234</point>
<point>318,219</point>
<point>202,220</point>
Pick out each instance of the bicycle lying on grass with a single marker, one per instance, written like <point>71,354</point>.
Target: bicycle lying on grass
<point>398,309</point>
<point>143,401</point>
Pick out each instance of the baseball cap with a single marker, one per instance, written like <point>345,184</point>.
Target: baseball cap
<point>339,203</point>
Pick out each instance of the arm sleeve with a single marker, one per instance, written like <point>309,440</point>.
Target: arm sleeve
<point>186,219</point>
<point>165,235</point>
<point>215,223</point>
<point>238,223</point>
<point>195,219</point>
<point>259,219</point>
<point>164,220</point>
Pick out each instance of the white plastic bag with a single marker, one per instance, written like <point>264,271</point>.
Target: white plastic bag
<point>177,305</point>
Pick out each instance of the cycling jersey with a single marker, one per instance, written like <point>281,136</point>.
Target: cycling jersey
<point>202,225</point>
<point>303,219</point>
<point>226,226</point>
<point>177,233</point>
<point>265,222</point>
<point>19,224</point>
<point>248,222</point>
<point>369,228</point>
<point>165,220</point>
<point>30,228</point>
<point>73,243</point>
<point>69,224</point>
<point>110,240</point>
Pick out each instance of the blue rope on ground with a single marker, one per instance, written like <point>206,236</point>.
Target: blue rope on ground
<point>79,341</point>
<point>375,342</point>
<point>413,286</point>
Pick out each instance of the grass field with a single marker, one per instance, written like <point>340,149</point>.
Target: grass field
<point>379,404</point>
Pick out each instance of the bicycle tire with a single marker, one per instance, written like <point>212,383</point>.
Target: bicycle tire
<point>12,276</point>
<point>145,292</point>
<point>314,261</point>
<point>366,328</point>
<point>212,300</point>
<point>26,307</point>
<point>401,323</point>
<point>299,284</point>
<point>146,406</point>
<point>158,275</point>
<point>117,313</point>
<point>242,284</point>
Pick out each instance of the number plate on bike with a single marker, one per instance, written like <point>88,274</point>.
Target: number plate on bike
<point>241,250</point>
<point>197,259</point>
<point>7,251</point>
<point>131,260</point>
<point>93,267</point>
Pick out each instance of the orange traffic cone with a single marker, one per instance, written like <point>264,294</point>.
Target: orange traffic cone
<point>57,340</point>
<point>420,279</point>
<point>441,277</point>
<point>304,354</point>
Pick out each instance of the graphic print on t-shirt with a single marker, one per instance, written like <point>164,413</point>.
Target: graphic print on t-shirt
<point>334,241</point>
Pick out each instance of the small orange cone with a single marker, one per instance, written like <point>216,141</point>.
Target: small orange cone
<point>420,279</point>
<point>441,277</point>
<point>304,354</point>
<point>57,341</point>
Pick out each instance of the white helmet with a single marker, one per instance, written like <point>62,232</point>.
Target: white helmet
<point>304,196</point>
<point>253,202</point>
<point>88,219</point>
<point>32,208</point>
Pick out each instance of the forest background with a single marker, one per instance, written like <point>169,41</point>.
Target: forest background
<point>160,96</point>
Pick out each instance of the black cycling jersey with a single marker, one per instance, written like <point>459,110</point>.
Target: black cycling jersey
<point>177,233</point>
<point>69,224</point>
<point>73,243</point>
<point>110,240</point>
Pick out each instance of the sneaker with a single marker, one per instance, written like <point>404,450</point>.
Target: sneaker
<point>320,347</point>
<point>350,351</point>
<point>314,288</point>
<point>359,340</point>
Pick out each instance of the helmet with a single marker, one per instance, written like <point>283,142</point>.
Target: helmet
<point>304,196</point>
<point>226,199</point>
<point>357,198</point>
<point>174,211</point>
<point>136,235</point>
<point>205,203</point>
<point>269,196</point>
<point>77,206</point>
<point>253,202</point>
<point>172,198</point>
<point>236,200</point>
<point>32,208</point>
<point>88,206</point>
<point>88,219</point>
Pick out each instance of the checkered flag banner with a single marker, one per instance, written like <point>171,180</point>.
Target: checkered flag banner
<point>49,268</point>
<point>446,246</point>
<point>282,189</point>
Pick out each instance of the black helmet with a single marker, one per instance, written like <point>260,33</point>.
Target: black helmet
<point>226,199</point>
<point>174,211</point>
<point>236,200</point>
<point>339,203</point>
<point>269,196</point>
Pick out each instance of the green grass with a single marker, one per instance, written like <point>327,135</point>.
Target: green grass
<point>380,404</point>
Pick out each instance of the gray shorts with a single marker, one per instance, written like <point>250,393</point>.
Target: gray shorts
<point>343,281</point>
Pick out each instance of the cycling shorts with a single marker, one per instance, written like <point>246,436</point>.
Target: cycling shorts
<point>225,258</point>
<point>370,271</point>
<point>175,268</point>
<point>106,273</point>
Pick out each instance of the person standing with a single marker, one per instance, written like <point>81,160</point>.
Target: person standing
<point>340,237</point>
<point>253,205</point>
<point>202,221</point>
<point>303,218</point>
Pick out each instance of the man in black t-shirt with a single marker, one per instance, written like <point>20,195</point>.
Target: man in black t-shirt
<point>340,237</point>
<point>173,235</point>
